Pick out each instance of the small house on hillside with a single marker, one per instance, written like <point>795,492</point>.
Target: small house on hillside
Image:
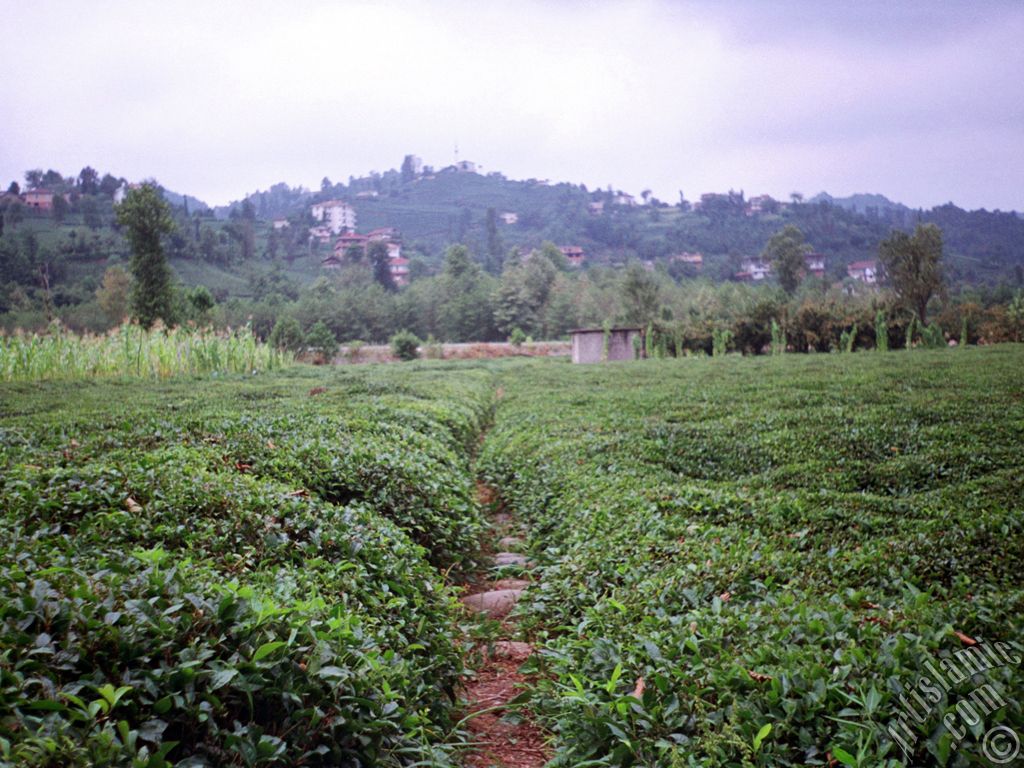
<point>695,260</point>
<point>594,345</point>
<point>864,271</point>
<point>755,269</point>
<point>39,199</point>
<point>573,254</point>
<point>398,266</point>
<point>815,263</point>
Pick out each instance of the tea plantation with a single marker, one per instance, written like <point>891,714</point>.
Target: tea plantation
<point>235,571</point>
<point>746,561</point>
<point>739,562</point>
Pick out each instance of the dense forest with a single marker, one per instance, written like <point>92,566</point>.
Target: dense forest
<point>485,260</point>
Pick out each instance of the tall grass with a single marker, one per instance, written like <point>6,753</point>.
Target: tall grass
<point>132,351</point>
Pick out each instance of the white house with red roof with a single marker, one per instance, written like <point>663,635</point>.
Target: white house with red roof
<point>864,271</point>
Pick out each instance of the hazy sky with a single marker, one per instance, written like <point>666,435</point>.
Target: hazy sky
<point>921,101</point>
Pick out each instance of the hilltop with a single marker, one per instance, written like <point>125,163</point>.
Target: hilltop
<point>53,257</point>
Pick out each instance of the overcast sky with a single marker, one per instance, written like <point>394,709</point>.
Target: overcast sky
<point>920,101</point>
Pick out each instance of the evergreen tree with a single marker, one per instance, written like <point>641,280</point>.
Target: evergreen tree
<point>381,262</point>
<point>146,218</point>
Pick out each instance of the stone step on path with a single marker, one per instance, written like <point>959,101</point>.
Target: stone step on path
<point>502,742</point>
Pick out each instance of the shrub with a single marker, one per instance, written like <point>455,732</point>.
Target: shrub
<point>517,337</point>
<point>405,345</point>
<point>355,350</point>
<point>322,341</point>
<point>287,335</point>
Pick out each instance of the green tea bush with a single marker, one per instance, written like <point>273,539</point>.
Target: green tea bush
<point>236,580</point>
<point>762,543</point>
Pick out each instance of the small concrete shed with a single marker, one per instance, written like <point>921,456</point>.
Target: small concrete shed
<point>588,344</point>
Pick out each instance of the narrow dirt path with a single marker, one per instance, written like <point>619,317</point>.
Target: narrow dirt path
<point>504,739</point>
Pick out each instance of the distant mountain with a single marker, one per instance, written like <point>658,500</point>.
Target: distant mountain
<point>860,203</point>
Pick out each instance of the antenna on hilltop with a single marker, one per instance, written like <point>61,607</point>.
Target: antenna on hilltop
<point>456,153</point>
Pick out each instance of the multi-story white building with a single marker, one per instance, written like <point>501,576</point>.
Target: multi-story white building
<point>337,215</point>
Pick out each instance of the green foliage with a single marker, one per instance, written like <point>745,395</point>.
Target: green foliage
<point>881,332</point>
<point>466,291</point>
<point>114,293</point>
<point>761,542</point>
<point>322,341</point>
<point>913,266</point>
<point>238,573</point>
<point>848,339</point>
<point>785,251</point>
<point>146,218</point>
<point>405,345</point>
<point>911,331</point>
<point>1015,314</point>
<point>517,337</point>
<point>778,338</point>
<point>201,302</point>
<point>377,253</point>
<point>933,337</point>
<point>640,296</point>
<point>287,335</point>
<point>135,352</point>
<point>721,340</point>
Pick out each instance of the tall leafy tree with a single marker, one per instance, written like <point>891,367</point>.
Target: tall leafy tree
<point>146,218</point>
<point>88,181</point>
<point>785,251</point>
<point>640,295</point>
<point>381,263</point>
<point>465,314</point>
<point>913,266</point>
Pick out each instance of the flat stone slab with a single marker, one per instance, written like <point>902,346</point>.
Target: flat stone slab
<point>510,558</point>
<point>511,584</point>
<point>511,649</point>
<point>497,603</point>
<point>510,542</point>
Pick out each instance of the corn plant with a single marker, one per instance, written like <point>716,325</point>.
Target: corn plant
<point>133,351</point>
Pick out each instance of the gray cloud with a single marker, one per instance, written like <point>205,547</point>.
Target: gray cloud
<point>920,101</point>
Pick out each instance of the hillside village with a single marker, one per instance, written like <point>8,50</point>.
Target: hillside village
<point>459,254</point>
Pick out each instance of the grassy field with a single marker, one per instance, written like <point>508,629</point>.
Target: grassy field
<point>740,561</point>
<point>732,544</point>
